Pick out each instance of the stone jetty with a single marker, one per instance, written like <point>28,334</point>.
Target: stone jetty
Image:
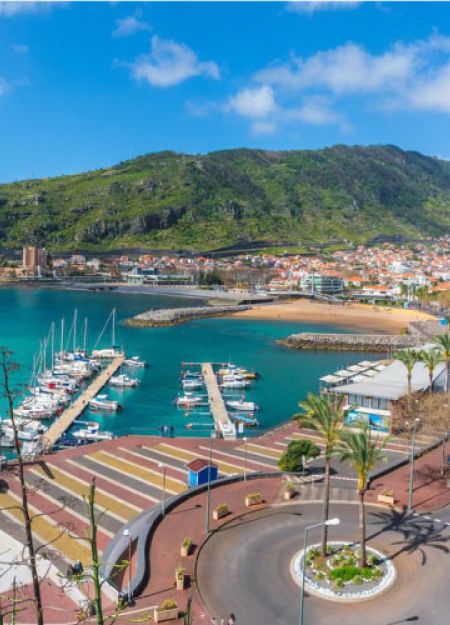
<point>173,316</point>
<point>351,342</point>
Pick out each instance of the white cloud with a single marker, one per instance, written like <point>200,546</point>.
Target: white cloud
<point>432,93</point>
<point>263,127</point>
<point>10,9</point>
<point>345,69</point>
<point>253,102</point>
<point>130,25</point>
<point>315,110</point>
<point>312,6</point>
<point>170,63</point>
<point>20,48</point>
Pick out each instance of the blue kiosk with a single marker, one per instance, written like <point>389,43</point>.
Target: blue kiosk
<point>198,471</point>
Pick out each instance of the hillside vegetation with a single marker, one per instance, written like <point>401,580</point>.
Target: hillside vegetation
<point>169,200</point>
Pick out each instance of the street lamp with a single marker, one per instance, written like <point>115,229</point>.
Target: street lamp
<point>127,534</point>
<point>162,466</point>
<point>411,467</point>
<point>245,458</point>
<point>208,496</point>
<point>305,548</point>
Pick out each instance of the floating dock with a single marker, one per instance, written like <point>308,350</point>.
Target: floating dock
<point>222,422</point>
<point>70,414</point>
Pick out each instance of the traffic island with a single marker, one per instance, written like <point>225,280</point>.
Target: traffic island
<point>338,576</point>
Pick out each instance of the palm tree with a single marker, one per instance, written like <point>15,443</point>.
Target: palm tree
<point>362,453</point>
<point>408,357</point>
<point>325,415</point>
<point>443,344</point>
<point>431,358</point>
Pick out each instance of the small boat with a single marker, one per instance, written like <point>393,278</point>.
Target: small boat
<point>189,400</point>
<point>135,361</point>
<point>192,385</point>
<point>92,433</point>
<point>107,353</point>
<point>235,384</point>
<point>244,406</point>
<point>123,381</point>
<point>101,402</point>
<point>245,419</point>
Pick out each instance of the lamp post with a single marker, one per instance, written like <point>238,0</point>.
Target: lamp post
<point>208,496</point>
<point>127,534</point>
<point>245,458</point>
<point>305,548</point>
<point>162,466</point>
<point>411,468</point>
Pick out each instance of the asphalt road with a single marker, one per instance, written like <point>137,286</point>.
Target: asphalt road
<point>245,568</point>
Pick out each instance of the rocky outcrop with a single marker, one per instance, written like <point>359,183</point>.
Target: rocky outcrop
<point>350,342</point>
<point>174,316</point>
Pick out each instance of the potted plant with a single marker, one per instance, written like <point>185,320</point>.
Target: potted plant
<point>180,577</point>
<point>386,496</point>
<point>167,611</point>
<point>220,511</point>
<point>253,499</point>
<point>185,547</point>
<point>289,490</point>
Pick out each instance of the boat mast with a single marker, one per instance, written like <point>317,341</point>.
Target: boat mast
<point>61,345</point>
<point>75,315</point>
<point>53,345</point>
<point>113,327</point>
<point>85,335</point>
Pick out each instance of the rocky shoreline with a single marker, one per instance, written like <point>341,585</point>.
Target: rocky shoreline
<point>350,342</point>
<point>174,316</point>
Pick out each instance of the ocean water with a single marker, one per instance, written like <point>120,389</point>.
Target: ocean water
<point>286,375</point>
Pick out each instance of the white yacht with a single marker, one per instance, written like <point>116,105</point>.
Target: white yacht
<point>243,406</point>
<point>101,402</point>
<point>123,381</point>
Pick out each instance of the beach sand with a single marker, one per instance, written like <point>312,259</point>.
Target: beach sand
<point>376,319</point>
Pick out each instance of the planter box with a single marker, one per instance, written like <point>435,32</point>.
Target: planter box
<point>159,616</point>
<point>387,499</point>
<point>219,514</point>
<point>184,551</point>
<point>289,493</point>
<point>253,501</point>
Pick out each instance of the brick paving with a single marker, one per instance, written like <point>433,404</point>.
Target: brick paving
<point>129,478</point>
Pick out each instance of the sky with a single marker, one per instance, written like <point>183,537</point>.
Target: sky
<point>85,85</point>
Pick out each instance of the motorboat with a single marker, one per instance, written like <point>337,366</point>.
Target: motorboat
<point>245,419</point>
<point>189,400</point>
<point>192,385</point>
<point>107,353</point>
<point>92,433</point>
<point>135,361</point>
<point>123,381</point>
<point>240,405</point>
<point>101,402</point>
<point>232,377</point>
<point>236,384</point>
<point>27,430</point>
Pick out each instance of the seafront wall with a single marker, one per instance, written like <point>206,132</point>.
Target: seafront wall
<point>350,342</point>
<point>174,316</point>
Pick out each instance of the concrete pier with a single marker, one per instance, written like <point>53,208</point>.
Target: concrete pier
<point>217,406</point>
<point>72,412</point>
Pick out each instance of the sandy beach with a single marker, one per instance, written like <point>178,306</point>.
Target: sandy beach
<point>366,317</point>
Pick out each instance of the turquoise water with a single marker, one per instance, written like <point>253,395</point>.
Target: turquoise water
<point>286,375</point>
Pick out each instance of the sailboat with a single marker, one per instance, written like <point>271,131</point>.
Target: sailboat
<point>114,350</point>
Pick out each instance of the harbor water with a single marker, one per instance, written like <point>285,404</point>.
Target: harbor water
<point>286,375</point>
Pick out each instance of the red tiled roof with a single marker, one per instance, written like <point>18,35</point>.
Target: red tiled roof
<point>198,464</point>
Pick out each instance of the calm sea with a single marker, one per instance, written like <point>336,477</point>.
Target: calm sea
<point>286,375</point>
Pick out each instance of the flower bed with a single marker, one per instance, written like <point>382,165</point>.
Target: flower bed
<point>338,575</point>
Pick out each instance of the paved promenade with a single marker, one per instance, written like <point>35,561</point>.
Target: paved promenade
<point>129,479</point>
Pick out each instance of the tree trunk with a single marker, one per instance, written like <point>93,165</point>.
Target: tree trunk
<point>94,553</point>
<point>409,394</point>
<point>326,505</point>
<point>447,362</point>
<point>29,541</point>
<point>430,390</point>
<point>362,529</point>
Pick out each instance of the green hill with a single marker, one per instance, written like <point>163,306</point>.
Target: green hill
<point>169,200</point>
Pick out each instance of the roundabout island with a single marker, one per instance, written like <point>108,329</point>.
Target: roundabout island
<point>251,567</point>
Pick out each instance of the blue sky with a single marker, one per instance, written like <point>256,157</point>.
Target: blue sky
<point>85,85</point>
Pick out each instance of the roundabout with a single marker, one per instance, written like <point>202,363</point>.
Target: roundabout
<point>246,567</point>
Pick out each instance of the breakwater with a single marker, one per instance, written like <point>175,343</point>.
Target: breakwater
<point>174,316</point>
<point>350,342</point>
